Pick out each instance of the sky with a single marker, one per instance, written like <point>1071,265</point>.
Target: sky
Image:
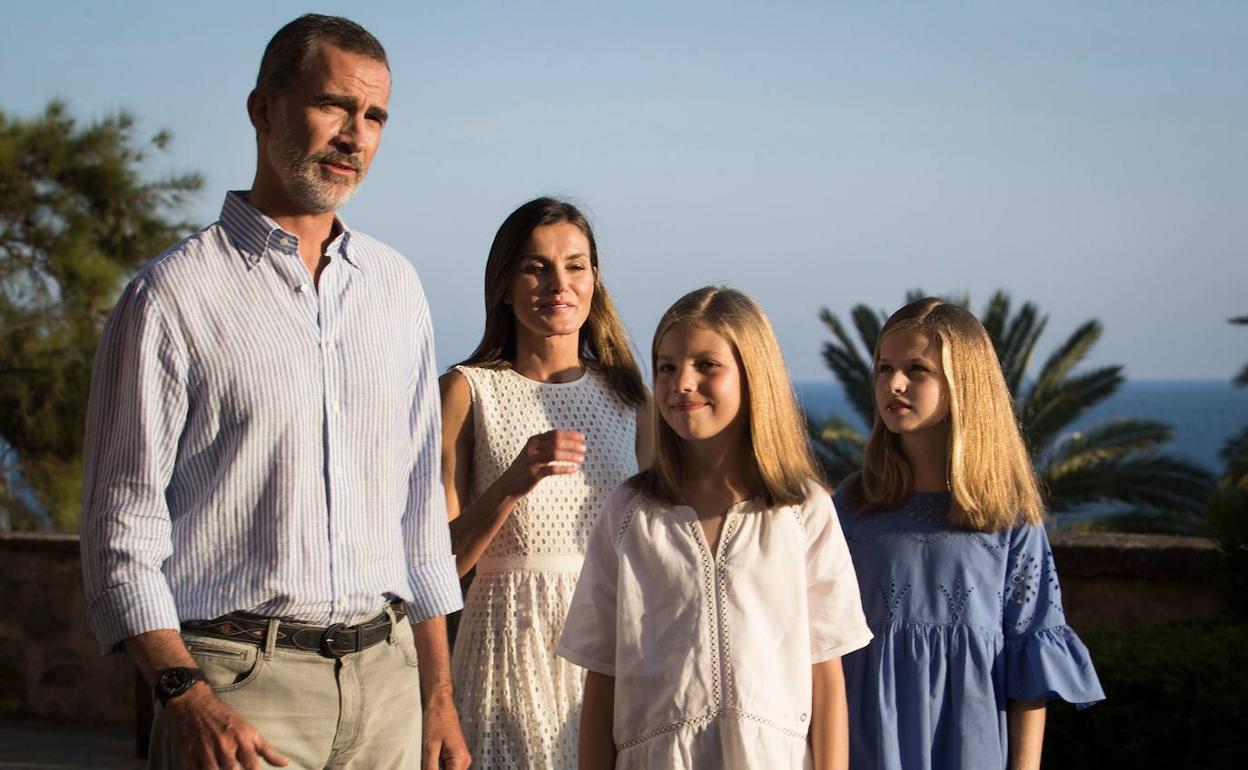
<point>1088,157</point>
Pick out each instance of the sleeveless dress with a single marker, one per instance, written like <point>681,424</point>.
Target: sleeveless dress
<point>519,703</point>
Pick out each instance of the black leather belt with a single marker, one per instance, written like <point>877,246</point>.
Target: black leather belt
<point>333,641</point>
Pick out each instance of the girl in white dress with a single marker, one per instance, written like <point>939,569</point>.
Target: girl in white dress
<point>718,594</point>
<point>539,424</point>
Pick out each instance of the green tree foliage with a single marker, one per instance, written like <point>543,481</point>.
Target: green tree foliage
<point>1113,461</point>
<point>77,216</point>
<point>1177,697</point>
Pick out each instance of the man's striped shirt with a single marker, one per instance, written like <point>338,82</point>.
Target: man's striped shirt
<point>258,443</point>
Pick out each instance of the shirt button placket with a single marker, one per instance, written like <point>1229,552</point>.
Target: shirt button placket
<point>331,393</point>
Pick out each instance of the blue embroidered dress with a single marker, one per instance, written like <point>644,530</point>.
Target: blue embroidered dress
<point>963,621</point>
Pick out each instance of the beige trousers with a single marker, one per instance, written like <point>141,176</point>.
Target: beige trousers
<point>359,712</point>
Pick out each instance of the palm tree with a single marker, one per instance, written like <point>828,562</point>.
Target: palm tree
<point>1114,461</point>
<point>1235,451</point>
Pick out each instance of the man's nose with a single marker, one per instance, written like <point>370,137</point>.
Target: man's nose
<point>350,134</point>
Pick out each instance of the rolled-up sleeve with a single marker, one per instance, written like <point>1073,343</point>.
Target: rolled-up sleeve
<point>135,417</point>
<point>432,577</point>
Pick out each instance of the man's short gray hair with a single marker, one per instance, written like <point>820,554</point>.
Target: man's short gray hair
<point>287,52</point>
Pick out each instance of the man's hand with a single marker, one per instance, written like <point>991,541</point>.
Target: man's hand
<point>212,736</point>
<point>442,741</point>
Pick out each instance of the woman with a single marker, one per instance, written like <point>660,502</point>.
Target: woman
<point>540,423</point>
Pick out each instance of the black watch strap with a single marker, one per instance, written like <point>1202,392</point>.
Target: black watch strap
<point>172,682</point>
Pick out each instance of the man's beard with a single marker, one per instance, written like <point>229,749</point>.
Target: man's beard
<point>308,185</point>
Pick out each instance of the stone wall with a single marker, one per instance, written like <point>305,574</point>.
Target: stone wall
<point>1111,579</point>
<point>52,668</point>
<point>50,663</point>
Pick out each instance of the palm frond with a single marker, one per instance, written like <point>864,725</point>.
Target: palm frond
<point>849,367</point>
<point>835,429</point>
<point>868,323</point>
<point>837,446</point>
<point>1235,454</point>
<point>996,313</point>
<point>1015,348</point>
<point>1109,440</point>
<point>1063,360</point>
<point>1155,480</point>
<point>1045,412</point>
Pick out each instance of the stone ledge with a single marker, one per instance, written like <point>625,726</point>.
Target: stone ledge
<point>1166,557</point>
<point>52,668</point>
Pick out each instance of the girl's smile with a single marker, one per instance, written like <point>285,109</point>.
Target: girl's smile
<point>697,382</point>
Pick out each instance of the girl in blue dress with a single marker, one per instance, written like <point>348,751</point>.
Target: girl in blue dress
<point>945,525</point>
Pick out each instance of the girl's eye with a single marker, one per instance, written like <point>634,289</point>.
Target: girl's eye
<point>665,368</point>
<point>918,368</point>
<point>883,369</point>
<point>707,364</point>
<point>576,266</point>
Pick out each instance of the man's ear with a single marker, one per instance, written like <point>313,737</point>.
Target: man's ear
<point>258,105</point>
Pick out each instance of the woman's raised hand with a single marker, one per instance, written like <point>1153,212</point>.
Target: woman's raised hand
<point>546,454</point>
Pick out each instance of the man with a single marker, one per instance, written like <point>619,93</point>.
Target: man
<point>262,500</point>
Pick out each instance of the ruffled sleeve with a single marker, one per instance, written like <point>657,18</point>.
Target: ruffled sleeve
<point>1044,657</point>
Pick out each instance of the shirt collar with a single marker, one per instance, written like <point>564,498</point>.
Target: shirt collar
<point>253,233</point>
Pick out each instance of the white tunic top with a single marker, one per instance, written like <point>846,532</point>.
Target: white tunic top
<point>711,654</point>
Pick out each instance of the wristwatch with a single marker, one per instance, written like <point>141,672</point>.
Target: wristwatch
<point>172,682</point>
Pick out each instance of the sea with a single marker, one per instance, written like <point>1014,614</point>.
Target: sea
<point>1203,414</point>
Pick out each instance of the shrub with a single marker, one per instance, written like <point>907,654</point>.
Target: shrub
<point>1177,698</point>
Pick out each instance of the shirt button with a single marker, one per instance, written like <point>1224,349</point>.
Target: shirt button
<point>803,717</point>
<point>301,288</point>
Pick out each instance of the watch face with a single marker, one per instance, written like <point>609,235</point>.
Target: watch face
<point>174,680</point>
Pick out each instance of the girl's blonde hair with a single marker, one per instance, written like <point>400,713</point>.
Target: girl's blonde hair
<point>774,455</point>
<point>991,478</point>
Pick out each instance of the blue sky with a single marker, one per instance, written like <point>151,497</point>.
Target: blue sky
<point>1088,157</point>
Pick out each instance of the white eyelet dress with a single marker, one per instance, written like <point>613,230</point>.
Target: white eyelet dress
<point>519,703</point>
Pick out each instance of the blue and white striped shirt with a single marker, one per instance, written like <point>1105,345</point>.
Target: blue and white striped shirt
<point>256,443</point>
